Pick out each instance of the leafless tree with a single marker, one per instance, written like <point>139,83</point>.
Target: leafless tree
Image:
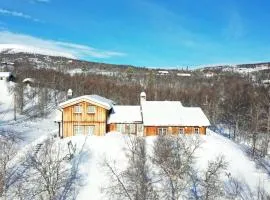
<point>49,173</point>
<point>8,169</point>
<point>135,182</point>
<point>173,158</point>
<point>211,183</point>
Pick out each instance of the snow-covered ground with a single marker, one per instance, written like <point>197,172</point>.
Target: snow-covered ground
<point>28,129</point>
<point>113,145</point>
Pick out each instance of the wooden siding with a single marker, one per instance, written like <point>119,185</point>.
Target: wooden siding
<point>172,130</point>
<point>97,119</point>
<point>124,126</point>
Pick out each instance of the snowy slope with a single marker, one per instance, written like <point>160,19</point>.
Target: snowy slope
<point>239,164</point>
<point>112,147</point>
<point>28,129</point>
<point>17,48</point>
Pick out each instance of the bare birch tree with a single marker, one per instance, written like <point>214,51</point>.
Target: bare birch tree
<point>135,182</point>
<point>8,170</point>
<point>50,173</point>
<point>173,158</point>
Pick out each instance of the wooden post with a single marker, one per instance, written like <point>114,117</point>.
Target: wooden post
<point>15,118</point>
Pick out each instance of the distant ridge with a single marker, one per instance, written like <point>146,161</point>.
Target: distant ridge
<point>17,48</point>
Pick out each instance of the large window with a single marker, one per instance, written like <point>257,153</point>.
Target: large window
<point>162,131</point>
<point>84,130</point>
<point>90,130</point>
<point>77,109</point>
<point>196,131</point>
<point>181,131</point>
<point>91,109</point>
<point>78,130</point>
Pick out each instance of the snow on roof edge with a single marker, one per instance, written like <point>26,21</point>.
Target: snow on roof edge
<point>106,103</point>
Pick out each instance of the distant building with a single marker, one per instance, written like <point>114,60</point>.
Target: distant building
<point>28,81</point>
<point>163,72</point>
<point>209,74</point>
<point>266,82</point>
<point>7,76</point>
<point>184,74</point>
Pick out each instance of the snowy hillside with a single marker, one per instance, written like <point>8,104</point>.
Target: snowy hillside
<point>27,128</point>
<point>15,48</point>
<point>113,147</point>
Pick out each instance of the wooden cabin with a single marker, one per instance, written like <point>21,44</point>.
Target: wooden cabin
<point>95,115</point>
<point>85,115</point>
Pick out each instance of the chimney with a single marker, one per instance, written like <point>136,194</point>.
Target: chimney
<point>142,97</point>
<point>69,93</point>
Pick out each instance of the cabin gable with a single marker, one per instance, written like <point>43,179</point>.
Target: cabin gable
<point>84,118</point>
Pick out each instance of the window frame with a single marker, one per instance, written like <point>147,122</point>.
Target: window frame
<point>181,131</point>
<point>75,109</point>
<point>78,130</point>
<point>94,109</point>
<point>88,129</point>
<point>196,130</point>
<point>162,131</point>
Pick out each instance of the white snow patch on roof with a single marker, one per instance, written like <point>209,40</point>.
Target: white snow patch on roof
<point>31,80</point>
<point>193,116</point>
<point>125,114</point>
<point>161,113</point>
<point>107,103</point>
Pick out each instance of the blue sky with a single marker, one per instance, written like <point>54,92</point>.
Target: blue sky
<point>153,33</point>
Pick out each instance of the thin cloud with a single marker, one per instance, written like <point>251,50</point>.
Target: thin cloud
<point>52,47</point>
<point>16,14</point>
<point>39,1</point>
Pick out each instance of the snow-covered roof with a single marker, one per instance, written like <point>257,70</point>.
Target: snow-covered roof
<point>193,116</point>
<point>183,74</point>
<point>5,74</point>
<point>31,80</point>
<point>125,114</point>
<point>163,72</point>
<point>101,101</point>
<point>172,113</point>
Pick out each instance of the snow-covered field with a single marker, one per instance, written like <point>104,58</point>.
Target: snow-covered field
<point>113,145</point>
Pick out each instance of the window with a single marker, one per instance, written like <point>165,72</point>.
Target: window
<point>181,131</point>
<point>121,128</point>
<point>78,130</point>
<point>162,131</point>
<point>90,130</point>
<point>196,130</point>
<point>77,109</point>
<point>91,109</point>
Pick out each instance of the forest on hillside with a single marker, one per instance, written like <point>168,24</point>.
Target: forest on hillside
<point>229,99</point>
